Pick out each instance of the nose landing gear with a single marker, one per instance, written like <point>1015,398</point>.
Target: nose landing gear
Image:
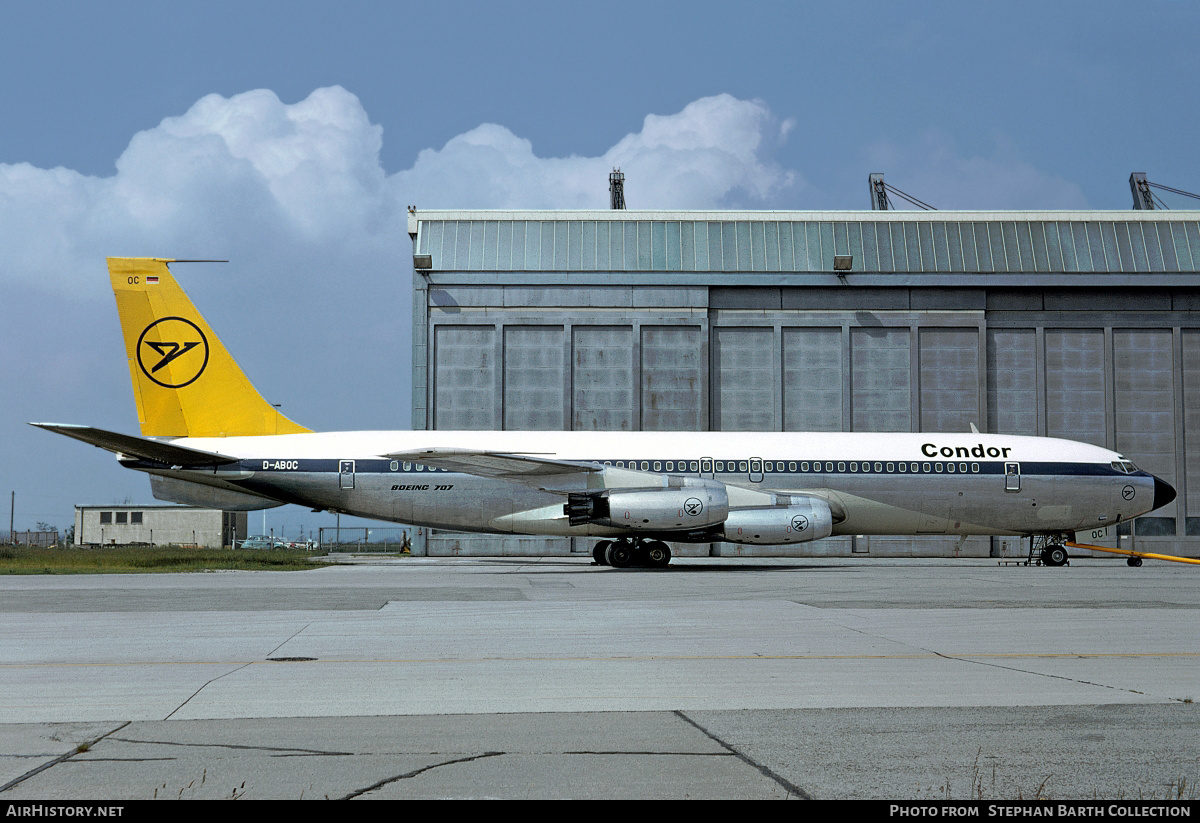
<point>1055,556</point>
<point>1048,550</point>
<point>625,553</point>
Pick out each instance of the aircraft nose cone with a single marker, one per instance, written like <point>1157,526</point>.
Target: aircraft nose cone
<point>1164,493</point>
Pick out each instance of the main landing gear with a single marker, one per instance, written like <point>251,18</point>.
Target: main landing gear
<point>621,554</point>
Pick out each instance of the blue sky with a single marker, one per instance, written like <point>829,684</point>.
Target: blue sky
<point>288,137</point>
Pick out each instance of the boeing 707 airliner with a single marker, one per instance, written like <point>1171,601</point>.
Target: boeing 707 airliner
<point>208,438</point>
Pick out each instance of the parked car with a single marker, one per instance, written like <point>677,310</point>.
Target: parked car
<point>261,542</point>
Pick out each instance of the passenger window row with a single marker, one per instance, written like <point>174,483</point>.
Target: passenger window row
<point>794,467</point>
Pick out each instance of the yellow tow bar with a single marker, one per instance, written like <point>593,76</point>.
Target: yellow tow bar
<point>1129,553</point>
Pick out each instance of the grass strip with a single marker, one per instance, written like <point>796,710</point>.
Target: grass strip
<point>148,560</point>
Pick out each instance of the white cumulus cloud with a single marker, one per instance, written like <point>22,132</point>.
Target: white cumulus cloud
<point>714,153</point>
<point>300,187</point>
<point>243,176</point>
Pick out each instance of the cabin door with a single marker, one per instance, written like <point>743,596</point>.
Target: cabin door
<point>346,474</point>
<point>756,470</point>
<point>1012,477</point>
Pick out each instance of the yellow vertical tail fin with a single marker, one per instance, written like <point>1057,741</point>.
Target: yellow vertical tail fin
<point>185,383</point>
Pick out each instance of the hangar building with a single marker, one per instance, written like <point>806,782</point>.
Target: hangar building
<point>1083,325</point>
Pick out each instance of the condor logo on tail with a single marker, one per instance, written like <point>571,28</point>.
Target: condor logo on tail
<point>172,341</point>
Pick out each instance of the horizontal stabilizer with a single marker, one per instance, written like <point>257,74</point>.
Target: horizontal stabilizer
<point>138,447</point>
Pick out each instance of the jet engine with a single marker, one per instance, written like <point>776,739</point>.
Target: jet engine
<point>696,504</point>
<point>804,519</point>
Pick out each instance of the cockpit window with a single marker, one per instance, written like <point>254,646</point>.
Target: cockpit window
<point>1129,467</point>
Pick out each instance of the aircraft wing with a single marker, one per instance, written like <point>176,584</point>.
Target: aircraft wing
<point>129,445</point>
<point>526,469</point>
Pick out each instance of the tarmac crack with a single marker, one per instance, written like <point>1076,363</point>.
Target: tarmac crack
<point>233,671</point>
<point>206,685</point>
<point>978,662</point>
<point>658,754</point>
<point>790,787</point>
<point>416,772</point>
<point>282,750</point>
<point>129,760</point>
<point>296,634</point>
<point>1036,674</point>
<point>60,759</point>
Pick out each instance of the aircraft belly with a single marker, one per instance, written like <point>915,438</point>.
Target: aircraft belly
<point>371,496</point>
<point>295,487</point>
<point>450,501</point>
<point>948,504</point>
<point>865,515</point>
<point>888,505</point>
<point>879,505</point>
<point>479,511</point>
<point>461,502</point>
<point>206,478</point>
<point>476,504</point>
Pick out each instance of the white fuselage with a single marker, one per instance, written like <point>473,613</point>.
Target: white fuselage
<point>900,484</point>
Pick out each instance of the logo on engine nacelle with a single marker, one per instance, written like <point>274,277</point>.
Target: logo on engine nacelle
<point>693,506</point>
<point>799,522</point>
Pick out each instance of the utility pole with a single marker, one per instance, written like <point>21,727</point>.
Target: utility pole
<point>1142,198</point>
<point>879,198</point>
<point>12,507</point>
<point>616,189</point>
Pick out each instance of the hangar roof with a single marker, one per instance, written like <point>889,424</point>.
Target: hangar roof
<point>777,241</point>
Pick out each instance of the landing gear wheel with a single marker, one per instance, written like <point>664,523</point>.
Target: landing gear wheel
<point>658,554</point>
<point>1054,556</point>
<point>619,555</point>
<point>1134,561</point>
<point>598,552</point>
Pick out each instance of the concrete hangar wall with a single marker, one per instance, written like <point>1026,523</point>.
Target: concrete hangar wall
<point>1083,325</point>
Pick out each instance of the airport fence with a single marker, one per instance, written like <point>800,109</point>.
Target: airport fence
<point>386,539</point>
<point>37,539</point>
